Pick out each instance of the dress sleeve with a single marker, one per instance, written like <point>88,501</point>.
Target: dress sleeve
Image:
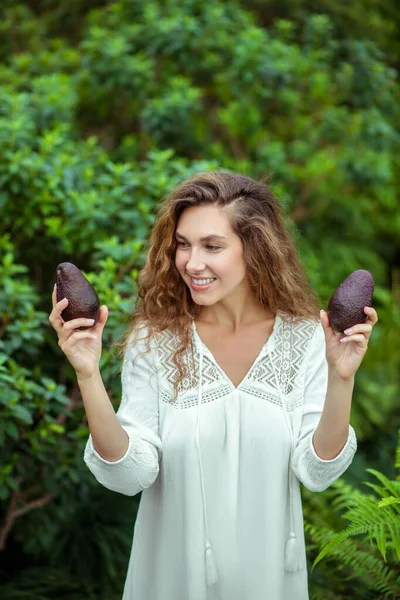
<point>315,473</point>
<point>138,414</point>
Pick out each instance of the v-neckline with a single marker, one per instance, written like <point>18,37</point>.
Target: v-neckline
<point>263,348</point>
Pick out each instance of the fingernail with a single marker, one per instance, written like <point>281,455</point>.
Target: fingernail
<point>64,300</point>
<point>348,330</point>
<point>321,312</point>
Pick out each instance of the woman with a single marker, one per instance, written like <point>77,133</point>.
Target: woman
<point>238,390</point>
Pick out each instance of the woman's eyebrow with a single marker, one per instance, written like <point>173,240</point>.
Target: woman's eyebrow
<point>212,236</point>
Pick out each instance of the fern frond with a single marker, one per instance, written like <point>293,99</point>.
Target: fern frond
<point>394,529</point>
<point>381,540</point>
<point>377,488</point>
<point>382,525</point>
<point>363,561</point>
<point>392,486</point>
<point>388,501</point>
<point>339,538</point>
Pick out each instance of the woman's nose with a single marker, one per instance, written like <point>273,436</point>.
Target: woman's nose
<point>194,264</point>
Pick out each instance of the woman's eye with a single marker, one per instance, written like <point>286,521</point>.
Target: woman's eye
<point>208,246</point>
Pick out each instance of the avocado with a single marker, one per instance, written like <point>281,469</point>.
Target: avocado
<point>346,305</point>
<point>83,300</point>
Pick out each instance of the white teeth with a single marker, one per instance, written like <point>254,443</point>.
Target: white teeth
<point>202,281</point>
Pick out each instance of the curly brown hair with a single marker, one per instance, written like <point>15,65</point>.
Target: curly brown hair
<point>274,271</point>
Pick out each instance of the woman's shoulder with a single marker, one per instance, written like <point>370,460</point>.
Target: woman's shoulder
<point>300,330</point>
<point>300,322</point>
<point>141,339</point>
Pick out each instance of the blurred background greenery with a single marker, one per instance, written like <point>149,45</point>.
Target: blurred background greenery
<point>104,107</point>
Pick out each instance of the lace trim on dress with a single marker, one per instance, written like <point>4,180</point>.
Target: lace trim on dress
<point>291,342</point>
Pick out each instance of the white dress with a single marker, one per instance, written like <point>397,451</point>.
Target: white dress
<point>220,468</point>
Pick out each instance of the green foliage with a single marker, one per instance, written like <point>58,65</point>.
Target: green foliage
<point>89,530</point>
<point>371,562</point>
<point>375,20</point>
<point>30,401</point>
<point>104,108</point>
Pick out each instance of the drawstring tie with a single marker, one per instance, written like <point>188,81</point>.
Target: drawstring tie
<point>293,559</point>
<point>211,566</point>
<point>210,562</point>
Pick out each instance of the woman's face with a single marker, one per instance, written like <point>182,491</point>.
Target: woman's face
<point>217,258</point>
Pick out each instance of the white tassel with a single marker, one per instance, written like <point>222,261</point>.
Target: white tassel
<point>292,555</point>
<point>211,567</point>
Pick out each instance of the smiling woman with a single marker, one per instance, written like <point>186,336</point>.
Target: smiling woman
<point>227,227</point>
<point>222,272</point>
<point>220,405</point>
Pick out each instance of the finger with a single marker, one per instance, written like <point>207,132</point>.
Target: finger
<point>75,323</point>
<point>101,321</point>
<point>354,338</point>
<point>364,328</point>
<point>54,295</point>
<point>55,317</point>
<point>76,336</point>
<point>372,316</point>
<point>328,329</point>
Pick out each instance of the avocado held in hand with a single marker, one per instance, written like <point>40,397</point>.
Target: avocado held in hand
<point>346,305</point>
<point>83,300</point>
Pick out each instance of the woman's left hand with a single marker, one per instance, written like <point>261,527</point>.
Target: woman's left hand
<point>345,357</point>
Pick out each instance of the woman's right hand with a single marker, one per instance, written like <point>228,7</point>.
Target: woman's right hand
<point>82,348</point>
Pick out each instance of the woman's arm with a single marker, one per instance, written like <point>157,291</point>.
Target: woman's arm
<point>109,438</point>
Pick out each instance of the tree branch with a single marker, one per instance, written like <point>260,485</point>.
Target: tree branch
<point>14,513</point>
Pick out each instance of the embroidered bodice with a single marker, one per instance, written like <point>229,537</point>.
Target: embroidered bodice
<point>286,347</point>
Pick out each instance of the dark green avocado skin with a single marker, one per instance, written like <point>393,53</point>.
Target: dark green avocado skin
<point>346,305</point>
<point>83,300</point>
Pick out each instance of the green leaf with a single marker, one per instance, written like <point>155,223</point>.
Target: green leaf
<point>12,430</point>
<point>22,413</point>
